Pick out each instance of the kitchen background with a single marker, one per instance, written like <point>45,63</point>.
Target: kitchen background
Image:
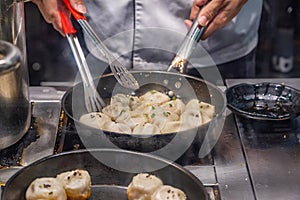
<point>239,165</point>
<point>51,62</point>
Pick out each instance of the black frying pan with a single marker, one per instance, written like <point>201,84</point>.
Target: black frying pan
<point>111,171</point>
<point>170,146</point>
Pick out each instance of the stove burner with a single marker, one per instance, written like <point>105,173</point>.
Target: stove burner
<point>12,155</point>
<point>67,137</point>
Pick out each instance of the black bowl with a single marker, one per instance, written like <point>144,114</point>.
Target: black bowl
<point>264,101</point>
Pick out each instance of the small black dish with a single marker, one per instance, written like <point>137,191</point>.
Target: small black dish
<point>264,101</point>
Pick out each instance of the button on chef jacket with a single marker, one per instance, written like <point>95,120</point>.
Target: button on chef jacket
<point>145,34</point>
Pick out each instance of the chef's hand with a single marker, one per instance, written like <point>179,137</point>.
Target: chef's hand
<point>214,14</point>
<point>49,10</point>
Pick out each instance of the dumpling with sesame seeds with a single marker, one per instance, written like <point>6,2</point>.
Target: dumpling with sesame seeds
<point>46,188</point>
<point>142,186</point>
<point>167,192</point>
<point>77,184</point>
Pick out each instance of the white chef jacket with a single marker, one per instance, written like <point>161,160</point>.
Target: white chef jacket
<point>145,34</point>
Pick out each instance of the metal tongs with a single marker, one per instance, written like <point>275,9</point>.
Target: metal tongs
<point>189,43</point>
<point>120,72</point>
<point>92,99</point>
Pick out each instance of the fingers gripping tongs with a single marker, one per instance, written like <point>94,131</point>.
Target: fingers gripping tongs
<point>123,76</point>
<point>189,43</point>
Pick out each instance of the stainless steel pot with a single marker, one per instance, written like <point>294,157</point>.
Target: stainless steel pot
<point>14,100</point>
<point>12,24</point>
<point>14,91</point>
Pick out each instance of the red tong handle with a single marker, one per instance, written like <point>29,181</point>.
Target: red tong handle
<point>66,23</point>
<point>77,15</point>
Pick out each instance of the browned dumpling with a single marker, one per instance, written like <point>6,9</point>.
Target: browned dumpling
<point>143,186</point>
<point>47,188</point>
<point>167,192</point>
<point>77,184</point>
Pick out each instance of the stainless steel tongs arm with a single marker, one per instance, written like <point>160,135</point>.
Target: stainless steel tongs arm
<point>92,99</point>
<point>96,40</point>
<point>81,63</point>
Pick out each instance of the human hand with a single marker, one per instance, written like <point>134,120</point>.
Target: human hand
<point>49,9</point>
<point>214,14</point>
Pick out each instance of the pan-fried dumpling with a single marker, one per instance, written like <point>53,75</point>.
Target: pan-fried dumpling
<point>142,186</point>
<point>167,192</point>
<point>172,127</point>
<point>77,184</point>
<point>107,110</point>
<point>123,116</point>
<point>160,117</point>
<point>207,110</point>
<point>120,98</point>
<point>118,109</point>
<point>191,117</point>
<point>175,106</point>
<point>154,97</point>
<point>119,104</point>
<point>47,188</point>
<point>116,127</point>
<point>143,109</point>
<point>132,114</point>
<point>133,121</point>
<point>94,119</point>
<point>134,102</point>
<point>146,129</point>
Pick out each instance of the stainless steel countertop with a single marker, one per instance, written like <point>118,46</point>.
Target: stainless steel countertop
<point>228,172</point>
<point>273,165</point>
